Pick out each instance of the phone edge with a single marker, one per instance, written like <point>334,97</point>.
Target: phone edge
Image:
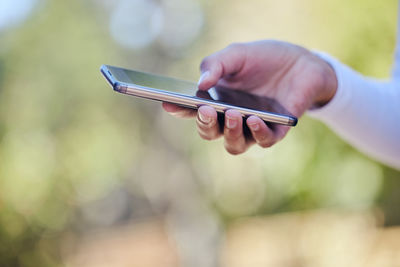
<point>195,102</point>
<point>190,101</point>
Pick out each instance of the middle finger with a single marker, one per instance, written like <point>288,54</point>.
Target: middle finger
<point>235,141</point>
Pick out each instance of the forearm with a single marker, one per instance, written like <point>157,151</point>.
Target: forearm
<point>365,113</point>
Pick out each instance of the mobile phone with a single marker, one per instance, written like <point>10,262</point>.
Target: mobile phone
<point>184,93</point>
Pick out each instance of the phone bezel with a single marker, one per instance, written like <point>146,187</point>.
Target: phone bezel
<point>186,100</point>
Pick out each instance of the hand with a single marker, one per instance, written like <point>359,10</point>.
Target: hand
<point>290,74</point>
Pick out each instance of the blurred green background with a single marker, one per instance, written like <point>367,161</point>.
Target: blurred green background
<point>75,157</point>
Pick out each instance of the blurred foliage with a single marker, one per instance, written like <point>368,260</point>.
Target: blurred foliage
<point>67,141</point>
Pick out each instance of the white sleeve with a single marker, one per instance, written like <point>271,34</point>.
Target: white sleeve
<point>365,113</point>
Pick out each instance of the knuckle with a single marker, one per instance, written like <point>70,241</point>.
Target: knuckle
<point>234,151</point>
<point>205,126</point>
<point>234,148</point>
<point>265,141</point>
<point>187,113</point>
<point>233,139</point>
<point>233,134</point>
<point>235,46</point>
<point>205,62</point>
<point>182,113</point>
<point>266,144</point>
<point>206,137</point>
<point>208,134</point>
<point>179,114</point>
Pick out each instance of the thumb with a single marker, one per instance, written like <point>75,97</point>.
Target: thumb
<point>210,74</point>
<point>225,62</point>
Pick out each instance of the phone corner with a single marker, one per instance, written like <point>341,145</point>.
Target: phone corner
<point>120,87</point>
<point>293,121</point>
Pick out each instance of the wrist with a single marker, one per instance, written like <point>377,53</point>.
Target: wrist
<point>329,84</point>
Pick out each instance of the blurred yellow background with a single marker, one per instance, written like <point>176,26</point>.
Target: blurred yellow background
<point>89,177</point>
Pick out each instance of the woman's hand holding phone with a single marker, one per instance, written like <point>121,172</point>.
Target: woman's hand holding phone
<point>292,75</point>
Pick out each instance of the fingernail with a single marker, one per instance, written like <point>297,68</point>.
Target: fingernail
<point>254,126</point>
<point>231,123</point>
<point>204,119</point>
<point>203,76</point>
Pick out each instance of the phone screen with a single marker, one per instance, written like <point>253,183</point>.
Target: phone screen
<point>215,94</point>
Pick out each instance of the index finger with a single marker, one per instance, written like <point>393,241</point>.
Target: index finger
<point>179,111</point>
